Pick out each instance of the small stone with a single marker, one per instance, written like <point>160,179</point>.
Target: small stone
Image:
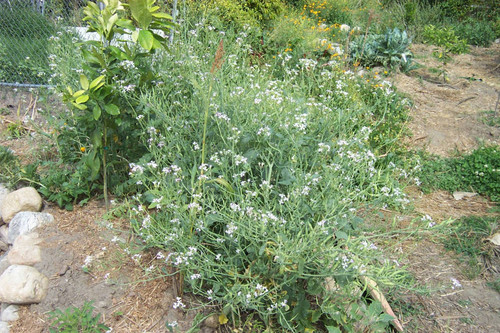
<point>4,327</point>
<point>10,313</point>
<point>25,222</point>
<point>461,195</point>
<point>21,284</point>
<point>495,239</point>
<point>102,304</point>
<point>25,251</point>
<point>22,200</point>
<point>212,321</point>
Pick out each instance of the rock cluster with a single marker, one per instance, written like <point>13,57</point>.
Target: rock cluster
<point>20,282</point>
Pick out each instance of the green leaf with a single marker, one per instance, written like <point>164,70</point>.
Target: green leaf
<point>78,93</point>
<point>135,35</point>
<point>341,235</point>
<point>112,109</point>
<point>332,329</point>
<point>79,106</point>
<point>84,82</point>
<point>97,138</point>
<point>127,24</point>
<point>225,183</point>
<point>146,39</point>
<point>97,112</point>
<point>111,22</point>
<point>82,99</point>
<point>162,16</point>
<point>141,13</point>
<point>96,82</point>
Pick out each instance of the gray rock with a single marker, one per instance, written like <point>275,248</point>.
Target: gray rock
<point>461,195</point>
<point>4,263</point>
<point>25,250</point>
<point>22,200</point>
<point>10,313</point>
<point>3,246</point>
<point>21,284</point>
<point>4,232</point>
<point>25,222</point>
<point>4,327</point>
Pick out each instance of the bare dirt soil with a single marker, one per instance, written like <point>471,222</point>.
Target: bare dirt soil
<point>448,118</point>
<point>451,116</point>
<point>129,292</point>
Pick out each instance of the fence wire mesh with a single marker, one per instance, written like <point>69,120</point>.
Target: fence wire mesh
<point>26,27</point>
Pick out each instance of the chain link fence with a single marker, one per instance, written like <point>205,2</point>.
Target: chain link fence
<point>26,27</point>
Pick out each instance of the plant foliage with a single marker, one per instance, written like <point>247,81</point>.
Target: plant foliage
<point>74,319</point>
<point>390,50</point>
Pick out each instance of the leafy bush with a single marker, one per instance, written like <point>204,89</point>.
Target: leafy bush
<point>253,186</point>
<point>74,319</point>
<point>444,37</point>
<point>241,12</point>
<point>390,50</point>
<point>479,33</point>
<point>100,133</point>
<point>329,11</point>
<point>477,171</point>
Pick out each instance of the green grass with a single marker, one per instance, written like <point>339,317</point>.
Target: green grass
<point>24,59</point>
<point>467,237</point>
<point>495,285</point>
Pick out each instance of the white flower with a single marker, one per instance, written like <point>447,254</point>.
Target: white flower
<point>345,28</point>
<point>178,303</point>
<point>455,283</point>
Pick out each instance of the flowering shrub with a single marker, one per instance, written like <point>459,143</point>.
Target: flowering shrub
<point>268,221</point>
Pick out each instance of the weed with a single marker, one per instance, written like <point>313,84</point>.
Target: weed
<point>240,198</point>
<point>74,319</point>
<point>490,118</point>
<point>495,285</point>
<point>466,237</point>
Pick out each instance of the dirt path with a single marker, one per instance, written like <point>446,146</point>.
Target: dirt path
<point>449,118</point>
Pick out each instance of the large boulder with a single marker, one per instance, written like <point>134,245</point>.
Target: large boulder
<point>25,199</point>
<point>21,284</point>
<point>26,222</point>
<point>25,250</point>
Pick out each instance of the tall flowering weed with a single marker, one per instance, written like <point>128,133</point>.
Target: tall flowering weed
<point>274,211</point>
